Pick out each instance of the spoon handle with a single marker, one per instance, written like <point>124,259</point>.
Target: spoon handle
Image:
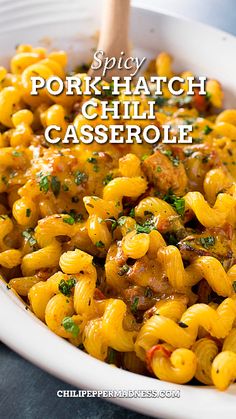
<point>114,35</point>
<point>115,27</point>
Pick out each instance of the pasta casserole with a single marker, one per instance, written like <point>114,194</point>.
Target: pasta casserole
<point>126,250</point>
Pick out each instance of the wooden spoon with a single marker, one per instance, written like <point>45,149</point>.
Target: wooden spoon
<point>114,36</point>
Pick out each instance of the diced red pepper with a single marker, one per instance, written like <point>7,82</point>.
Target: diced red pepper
<point>151,352</point>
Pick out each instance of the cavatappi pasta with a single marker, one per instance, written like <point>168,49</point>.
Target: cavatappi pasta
<point>128,252</point>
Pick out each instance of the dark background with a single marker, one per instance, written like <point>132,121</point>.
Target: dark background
<point>27,392</point>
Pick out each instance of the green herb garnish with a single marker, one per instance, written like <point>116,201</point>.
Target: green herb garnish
<point>4,180</point>
<point>107,179</point>
<point>171,239</point>
<point>111,356</point>
<point>174,159</point>
<point>121,221</point>
<point>28,212</point>
<point>132,213</point>
<point>176,202</point>
<point>188,152</point>
<point>123,270</point>
<point>134,305</point>
<point>69,220</point>
<point>206,158</point>
<point>145,156</point>
<point>148,292</point>
<point>113,221</point>
<point>65,188</point>
<point>44,184</point>
<point>55,185</point>
<point>80,177</point>
<point>99,244</point>
<point>208,96</point>
<point>65,287</point>
<point>28,235</point>
<point>207,130</point>
<point>70,326</point>
<point>17,153</point>
<point>92,160</point>
<point>160,100</point>
<point>207,242</point>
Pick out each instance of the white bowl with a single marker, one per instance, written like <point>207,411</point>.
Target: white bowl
<point>196,47</point>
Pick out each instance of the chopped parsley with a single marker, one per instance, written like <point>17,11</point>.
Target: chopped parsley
<point>174,159</point>
<point>4,180</point>
<point>107,179</point>
<point>167,153</point>
<point>17,153</point>
<point>113,221</point>
<point>70,326</point>
<point>176,202</point>
<point>99,244</point>
<point>171,239</point>
<point>132,213</point>
<point>181,101</point>
<point>79,218</point>
<point>65,188</point>
<point>96,168</point>
<point>160,100</point>
<point>111,356</point>
<point>121,221</point>
<point>208,96</point>
<point>92,160</point>
<point>44,184</point>
<point>73,217</point>
<point>147,226</point>
<point>185,100</point>
<point>55,185</point>
<point>197,140</point>
<point>52,183</point>
<point>144,157</point>
<point>28,212</point>
<point>206,158</point>
<point>189,121</point>
<point>207,242</point>
<point>207,130</point>
<point>188,152</point>
<point>179,205</point>
<point>80,177</point>
<point>158,169</point>
<point>107,90</point>
<point>123,270</point>
<point>148,292</point>
<point>134,305</point>
<point>28,235</point>
<point>65,287</point>
<point>69,220</point>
